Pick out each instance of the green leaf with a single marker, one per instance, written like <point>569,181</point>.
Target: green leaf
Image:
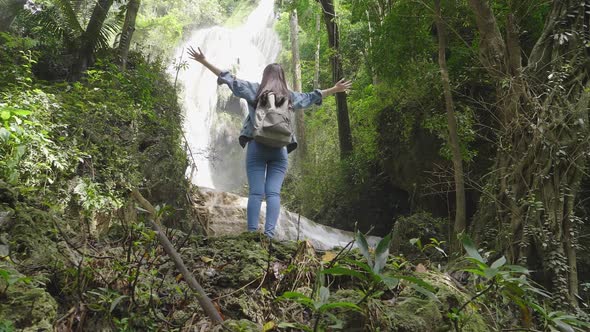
<point>471,249</point>
<point>20,112</point>
<point>294,295</point>
<point>490,272</point>
<point>298,297</point>
<point>333,305</point>
<point>381,253</point>
<point>475,271</point>
<point>342,271</point>
<point>4,134</point>
<point>298,326</point>
<point>518,269</point>
<point>4,115</point>
<point>364,247</point>
<point>390,282</point>
<point>5,274</point>
<point>116,302</point>
<point>499,262</point>
<point>362,265</point>
<point>424,292</point>
<point>268,326</point>
<point>564,327</point>
<point>418,282</point>
<point>324,294</point>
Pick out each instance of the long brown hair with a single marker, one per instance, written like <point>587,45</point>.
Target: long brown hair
<point>273,80</point>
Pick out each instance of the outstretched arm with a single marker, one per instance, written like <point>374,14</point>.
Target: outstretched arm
<point>240,88</point>
<point>340,86</point>
<point>199,56</point>
<point>305,100</point>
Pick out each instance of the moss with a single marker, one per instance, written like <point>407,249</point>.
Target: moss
<point>25,304</point>
<point>239,260</point>
<point>242,325</point>
<point>32,236</point>
<point>414,314</point>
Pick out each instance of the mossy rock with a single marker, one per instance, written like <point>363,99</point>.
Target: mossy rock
<point>32,236</point>
<point>26,305</point>
<point>238,260</point>
<point>242,325</point>
<point>414,314</point>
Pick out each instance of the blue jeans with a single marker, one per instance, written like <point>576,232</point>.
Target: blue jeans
<point>266,168</point>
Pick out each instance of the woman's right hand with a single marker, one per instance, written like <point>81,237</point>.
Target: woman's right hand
<point>198,56</point>
<point>342,86</point>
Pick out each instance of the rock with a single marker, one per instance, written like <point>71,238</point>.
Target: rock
<point>27,305</point>
<point>226,214</point>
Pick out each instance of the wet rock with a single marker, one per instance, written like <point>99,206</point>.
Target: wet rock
<point>226,215</point>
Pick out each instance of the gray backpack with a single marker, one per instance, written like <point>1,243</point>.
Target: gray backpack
<point>273,125</point>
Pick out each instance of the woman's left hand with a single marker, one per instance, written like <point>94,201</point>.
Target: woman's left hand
<point>196,55</point>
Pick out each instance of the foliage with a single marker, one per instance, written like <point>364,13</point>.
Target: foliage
<point>58,22</point>
<point>75,149</point>
<point>320,307</point>
<point>371,273</point>
<point>512,285</point>
<point>8,279</point>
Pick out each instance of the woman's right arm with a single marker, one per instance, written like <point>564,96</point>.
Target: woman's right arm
<point>340,86</point>
<point>240,88</point>
<point>305,100</point>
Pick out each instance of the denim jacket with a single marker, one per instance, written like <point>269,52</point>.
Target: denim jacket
<point>248,90</point>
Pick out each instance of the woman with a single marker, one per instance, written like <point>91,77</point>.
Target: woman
<point>266,166</point>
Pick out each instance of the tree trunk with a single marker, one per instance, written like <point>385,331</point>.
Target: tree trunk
<point>316,73</point>
<point>344,133</point>
<point>90,38</point>
<point>299,115</point>
<point>528,210</point>
<point>8,11</point>
<point>127,31</point>
<point>453,139</point>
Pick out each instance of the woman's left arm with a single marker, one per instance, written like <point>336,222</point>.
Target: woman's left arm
<point>240,88</point>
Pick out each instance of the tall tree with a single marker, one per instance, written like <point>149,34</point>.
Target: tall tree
<point>127,31</point>
<point>542,140</point>
<point>316,72</point>
<point>453,136</point>
<point>90,38</point>
<point>299,118</point>
<point>8,11</point>
<point>344,133</point>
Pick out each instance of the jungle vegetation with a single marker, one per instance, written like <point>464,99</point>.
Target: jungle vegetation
<point>464,144</point>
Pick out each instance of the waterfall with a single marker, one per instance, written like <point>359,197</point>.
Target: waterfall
<point>213,119</point>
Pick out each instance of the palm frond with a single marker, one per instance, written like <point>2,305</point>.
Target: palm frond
<point>111,27</point>
<point>68,13</point>
<point>50,22</point>
<point>57,20</point>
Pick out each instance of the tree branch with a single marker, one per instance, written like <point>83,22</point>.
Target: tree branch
<point>203,299</point>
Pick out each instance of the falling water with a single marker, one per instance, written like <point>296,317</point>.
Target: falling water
<point>213,119</point>
<point>213,116</point>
